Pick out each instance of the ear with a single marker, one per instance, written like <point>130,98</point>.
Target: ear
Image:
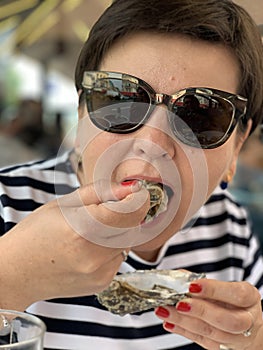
<point>240,139</point>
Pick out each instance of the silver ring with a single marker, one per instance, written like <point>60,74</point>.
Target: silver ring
<point>124,255</point>
<point>223,347</point>
<point>248,332</point>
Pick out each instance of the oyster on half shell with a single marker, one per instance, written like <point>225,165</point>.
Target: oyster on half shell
<point>145,289</point>
<point>158,199</point>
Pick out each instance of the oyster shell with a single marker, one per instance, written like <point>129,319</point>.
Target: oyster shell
<point>158,199</point>
<point>146,289</point>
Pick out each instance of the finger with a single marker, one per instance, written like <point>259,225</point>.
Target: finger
<point>240,294</point>
<point>101,226</point>
<point>201,327</point>
<point>206,343</point>
<point>107,191</point>
<point>128,212</point>
<point>125,213</point>
<point>98,192</point>
<point>231,320</point>
<point>208,332</point>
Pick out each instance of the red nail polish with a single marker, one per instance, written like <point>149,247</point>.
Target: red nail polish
<point>195,288</point>
<point>162,312</point>
<point>183,306</point>
<point>129,182</point>
<point>169,325</point>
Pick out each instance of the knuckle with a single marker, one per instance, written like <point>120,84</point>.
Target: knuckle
<point>211,289</point>
<point>208,331</point>
<point>247,294</point>
<point>202,311</point>
<point>236,323</point>
<point>242,293</point>
<point>198,338</point>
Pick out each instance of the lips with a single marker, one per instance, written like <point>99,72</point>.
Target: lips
<point>131,181</point>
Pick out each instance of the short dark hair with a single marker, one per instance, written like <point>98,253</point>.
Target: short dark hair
<point>210,20</point>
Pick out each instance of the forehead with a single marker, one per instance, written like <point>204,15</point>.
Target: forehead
<point>170,62</point>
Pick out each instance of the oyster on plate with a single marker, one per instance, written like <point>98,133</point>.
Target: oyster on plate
<point>146,289</point>
<point>158,199</point>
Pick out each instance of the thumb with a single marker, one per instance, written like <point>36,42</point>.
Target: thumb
<point>98,192</point>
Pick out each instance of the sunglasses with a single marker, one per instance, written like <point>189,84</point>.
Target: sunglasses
<point>199,117</point>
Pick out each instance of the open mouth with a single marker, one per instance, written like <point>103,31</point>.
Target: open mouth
<point>159,198</point>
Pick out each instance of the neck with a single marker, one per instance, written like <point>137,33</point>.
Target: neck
<point>149,256</point>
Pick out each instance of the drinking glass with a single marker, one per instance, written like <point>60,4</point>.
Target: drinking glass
<point>20,331</point>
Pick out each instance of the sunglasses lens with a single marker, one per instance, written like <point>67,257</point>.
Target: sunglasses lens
<point>117,105</point>
<point>202,120</point>
<point>202,117</point>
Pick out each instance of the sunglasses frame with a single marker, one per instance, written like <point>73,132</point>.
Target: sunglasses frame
<point>237,103</point>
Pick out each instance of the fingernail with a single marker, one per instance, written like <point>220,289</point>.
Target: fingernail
<point>168,325</point>
<point>183,306</point>
<point>135,185</point>
<point>195,288</point>
<point>162,312</point>
<point>129,183</point>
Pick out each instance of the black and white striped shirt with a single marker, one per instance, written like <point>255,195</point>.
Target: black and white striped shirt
<point>219,243</point>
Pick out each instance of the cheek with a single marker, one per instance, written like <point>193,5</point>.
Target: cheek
<point>218,162</point>
<point>91,143</point>
<point>93,156</point>
<point>204,171</point>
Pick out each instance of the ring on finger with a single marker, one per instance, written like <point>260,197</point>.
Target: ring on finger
<point>248,332</point>
<point>124,255</point>
<point>224,347</point>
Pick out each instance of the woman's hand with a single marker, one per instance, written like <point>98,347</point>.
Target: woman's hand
<point>44,256</point>
<point>220,315</point>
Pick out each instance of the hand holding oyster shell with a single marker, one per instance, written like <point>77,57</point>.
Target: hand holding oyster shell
<point>145,289</point>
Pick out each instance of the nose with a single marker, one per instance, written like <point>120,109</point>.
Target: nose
<point>154,140</point>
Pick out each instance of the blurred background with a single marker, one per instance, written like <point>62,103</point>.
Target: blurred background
<point>40,41</point>
<point>39,45</point>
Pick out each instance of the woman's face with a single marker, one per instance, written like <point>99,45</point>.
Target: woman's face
<point>168,63</point>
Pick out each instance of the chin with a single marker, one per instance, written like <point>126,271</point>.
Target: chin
<point>155,243</point>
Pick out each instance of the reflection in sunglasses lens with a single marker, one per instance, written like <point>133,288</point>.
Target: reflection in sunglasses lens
<point>199,117</point>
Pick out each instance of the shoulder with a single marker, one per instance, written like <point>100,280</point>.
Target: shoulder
<point>53,176</point>
<point>25,187</point>
<point>49,171</point>
<point>30,168</point>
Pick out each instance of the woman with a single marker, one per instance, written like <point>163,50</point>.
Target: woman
<point>140,61</point>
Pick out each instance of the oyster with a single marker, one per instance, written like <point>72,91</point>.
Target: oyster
<point>158,199</point>
<point>145,289</point>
